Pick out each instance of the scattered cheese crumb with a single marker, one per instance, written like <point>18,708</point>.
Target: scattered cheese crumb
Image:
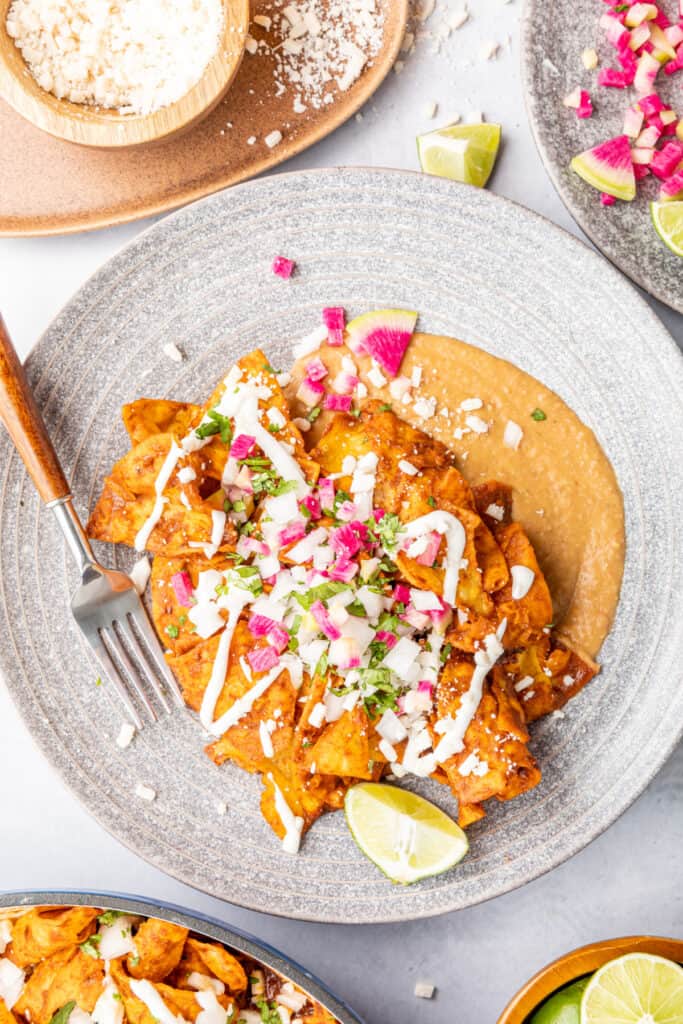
<point>173,352</point>
<point>263,20</point>
<point>251,45</point>
<point>376,377</point>
<point>273,139</point>
<point>512,435</point>
<point>424,990</point>
<point>425,408</point>
<point>221,807</point>
<point>496,512</point>
<point>430,109</point>
<point>125,736</point>
<point>589,59</point>
<point>410,470</point>
<point>489,49</point>
<point>471,404</point>
<point>145,792</point>
<point>476,424</point>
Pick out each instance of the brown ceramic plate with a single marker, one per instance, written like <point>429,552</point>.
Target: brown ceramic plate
<point>578,963</point>
<point>52,187</point>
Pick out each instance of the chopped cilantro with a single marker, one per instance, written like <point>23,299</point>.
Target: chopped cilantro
<point>269,1012</point>
<point>274,428</point>
<point>98,681</point>
<point>321,667</point>
<point>320,593</point>
<point>182,619</point>
<point>238,506</point>
<point>91,946</point>
<point>227,506</point>
<point>216,424</point>
<point>172,631</point>
<point>109,916</point>
<point>431,500</point>
<point>355,413</point>
<point>371,765</point>
<point>313,414</point>
<point>538,415</point>
<point>356,608</point>
<point>269,368</point>
<point>445,653</point>
<point>134,961</point>
<point>388,529</point>
<point>62,1016</point>
<point>385,408</point>
<point>306,743</point>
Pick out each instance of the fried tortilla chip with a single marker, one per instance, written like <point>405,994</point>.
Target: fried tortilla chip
<point>159,947</point>
<point>39,933</point>
<point>69,974</point>
<point>547,675</point>
<point>213,960</point>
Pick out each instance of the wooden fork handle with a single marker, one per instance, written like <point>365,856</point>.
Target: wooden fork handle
<point>20,413</point>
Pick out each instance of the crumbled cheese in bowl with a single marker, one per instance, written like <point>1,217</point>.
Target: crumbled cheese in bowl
<point>134,56</point>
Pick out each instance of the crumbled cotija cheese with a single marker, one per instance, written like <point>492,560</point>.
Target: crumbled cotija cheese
<point>132,55</point>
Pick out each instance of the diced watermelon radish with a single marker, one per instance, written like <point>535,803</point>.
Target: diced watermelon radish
<point>316,369</point>
<point>334,319</point>
<point>326,492</point>
<point>390,639</point>
<point>322,617</point>
<point>385,335</point>
<point>639,36</point>
<point>613,79</point>
<point>278,638</point>
<point>614,30</point>
<point>606,199</point>
<point>639,13</point>
<point>663,50</point>
<point>640,171</point>
<point>628,63</point>
<point>609,168</point>
<point>291,533</point>
<point>282,267</point>
<point>651,104</point>
<point>345,383</point>
<point>310,392</point>
<point>585,107</point>
<point>668,117</point>
<point>343,570</point>
<point>242,446</point>
<point>666,161</point>
<point>675,35</point>
<point>182,588</point>
<point>573,98</point>
<point>672,188</point>
<point>312,505</point>
<point>633,123</point>
<point>261,625</point>
<point>337,403</point>
<point>263,659</point>
<point>642,155</point>
<point>648,137</point>
<point>648,69</point>
<point>661,20</point>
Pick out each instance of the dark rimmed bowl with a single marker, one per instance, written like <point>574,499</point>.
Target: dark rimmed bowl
<point>237,941</point>
<point>577,964</point>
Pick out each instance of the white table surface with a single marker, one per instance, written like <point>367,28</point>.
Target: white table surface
<point>626,882</point>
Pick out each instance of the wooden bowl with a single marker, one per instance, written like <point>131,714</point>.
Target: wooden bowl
<point>96,126</point>
<point>575,965</point>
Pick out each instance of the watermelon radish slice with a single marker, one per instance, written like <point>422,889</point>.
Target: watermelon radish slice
<point>609,168</point>
<point>384,334</point>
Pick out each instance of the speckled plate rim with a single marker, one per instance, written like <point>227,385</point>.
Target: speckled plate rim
<point>636,776</point>
<point>554,170</point>
<point>203,924</point>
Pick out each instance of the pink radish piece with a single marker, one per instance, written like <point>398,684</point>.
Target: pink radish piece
<point>667,159</point>
<point>278,638</point>
<point>648,69</point>
<point>385,335</point>
<point>633,122</point>
<point>242,446</point>
<point>338,403</point>
<point>182,588</point>
<point>613,79</point>
<point>310,392</point>
<point>334,319</point>
<point>672,188</point>
<point>263,659</point>
<point>606,199</point>
<point>282,267</point>
<point>585,107</point>
<point>316,369</point>
<point>261,625</point>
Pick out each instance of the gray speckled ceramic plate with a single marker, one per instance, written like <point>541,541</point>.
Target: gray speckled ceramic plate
<point>237,941</point>
<point>552,42</point>
<point>476,267</point>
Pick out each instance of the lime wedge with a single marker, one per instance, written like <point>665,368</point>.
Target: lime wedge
<point>404,835</point>
<point>463,152</point>
<point>668,221</point>
<point>635,989</point>
<point>564,1007</point>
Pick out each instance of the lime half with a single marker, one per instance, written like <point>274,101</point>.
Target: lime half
<point>463,152</point>
<point>668,221</point>
<point>564,1007</point>
<point>635,989</point>
<point>404,835</point>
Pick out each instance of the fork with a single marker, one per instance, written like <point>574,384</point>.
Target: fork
<point>106,605</point>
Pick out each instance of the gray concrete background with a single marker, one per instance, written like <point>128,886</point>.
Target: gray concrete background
<point>627,882</point>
